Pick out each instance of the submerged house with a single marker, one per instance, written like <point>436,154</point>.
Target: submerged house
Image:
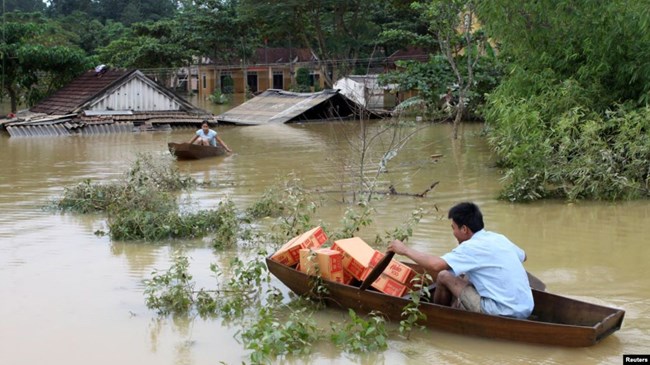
<point>107,101</point>
<point>366,91</point>
<point>279,106</point>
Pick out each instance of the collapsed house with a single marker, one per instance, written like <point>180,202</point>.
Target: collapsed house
<point>279,106</point>
<point>107,101</point>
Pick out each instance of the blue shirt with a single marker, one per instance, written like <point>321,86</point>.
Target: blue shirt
<point>211,137</point>
<point>493,265</point>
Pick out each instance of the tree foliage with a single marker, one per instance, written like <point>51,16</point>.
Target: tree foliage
<point>215,29</point>
<point>339,33</point>
<point>563,121</point>
<point>37,58</point>
<point>148,45</point>
<point>27,6</point>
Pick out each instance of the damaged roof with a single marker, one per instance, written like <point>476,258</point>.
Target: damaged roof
<point>279,106</point>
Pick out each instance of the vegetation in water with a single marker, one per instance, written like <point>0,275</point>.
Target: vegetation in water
<point>271,336</point>
<point>411,312</point>
<point>143,205</point>
<point>171,291</point>
<point>567,119</point>
<point>292,206</point>
<point>217,97</point>
<point>361,335</point>
<point>146,178</point>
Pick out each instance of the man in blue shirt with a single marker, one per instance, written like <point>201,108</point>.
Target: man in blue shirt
<point>484,272</point>
<point>208,137</point>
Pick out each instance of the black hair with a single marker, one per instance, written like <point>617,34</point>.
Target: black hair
<point>205,121</point>
<point>467,214</point>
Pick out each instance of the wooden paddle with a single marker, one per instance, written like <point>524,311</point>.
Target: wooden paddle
<point>377,270</point>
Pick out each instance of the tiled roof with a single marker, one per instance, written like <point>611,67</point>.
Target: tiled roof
<point>410,54</point>
<point>282,55</point>
<point>80,90</point>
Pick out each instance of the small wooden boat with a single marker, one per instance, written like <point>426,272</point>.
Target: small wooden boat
<point>187,151</point>
<point>556,320</point>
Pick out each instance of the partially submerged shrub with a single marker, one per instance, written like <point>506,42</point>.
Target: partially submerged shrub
<point>87,197</point>
<point>154,225</point>
<point>271,336</point>
<point>291,204</point>
<point>171,291</point>
<point>269,205</point>
<point>361,335</point>
<point>227,228</point>
<point>157,170</point>
<point>140,188</point>
<point>411,312</point>
<point>143,206</point>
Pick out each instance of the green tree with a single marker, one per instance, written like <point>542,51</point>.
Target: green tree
<point>570,119</point>
<point>134,11</point>
<point>339,33</point>
<point>37,58</point>
<point>302,80</point>
<point>27,6</point>
<point>67,7</point>
<point>148,45</point>
<point>214,29</point>
<point>90,33</point>
<point>462,58</point>
<point>451,24</point>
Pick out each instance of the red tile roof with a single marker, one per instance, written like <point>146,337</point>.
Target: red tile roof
<point>410,54</point>
<point>282,55</point>
<point>79,91</point>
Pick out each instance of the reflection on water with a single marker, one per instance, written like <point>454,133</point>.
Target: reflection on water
<point>72,292</point>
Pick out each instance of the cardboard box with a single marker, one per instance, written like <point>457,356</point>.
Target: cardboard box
<point>390,286</point>
<point>395,269</point>
<point>357,256</point>
<point>323,262</point>
<point>347,278</point>
<point>289,253</point>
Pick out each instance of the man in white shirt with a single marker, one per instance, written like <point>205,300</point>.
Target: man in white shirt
<point>485,271</point>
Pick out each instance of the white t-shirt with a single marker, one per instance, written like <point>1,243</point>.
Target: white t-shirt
<point>493,265</point>
<point>211,137</point>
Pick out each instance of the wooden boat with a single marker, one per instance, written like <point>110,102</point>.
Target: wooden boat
<point>186,151</point>
<point>556,320</point>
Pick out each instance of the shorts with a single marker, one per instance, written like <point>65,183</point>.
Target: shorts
<point>470,299</point>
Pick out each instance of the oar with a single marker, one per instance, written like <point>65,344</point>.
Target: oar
<point>377,270</point>
<point>535,283</point>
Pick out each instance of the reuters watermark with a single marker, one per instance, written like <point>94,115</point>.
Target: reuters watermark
<point>636,359</point>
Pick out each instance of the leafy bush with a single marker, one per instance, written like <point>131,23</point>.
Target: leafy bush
<point>360,335</point>
<point>172,290</point>
<point>217,97</point>
<point>571,119</point>
<point>578,154</point>
<point>271,336</point>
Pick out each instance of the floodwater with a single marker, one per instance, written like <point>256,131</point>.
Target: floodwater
<point>68,296</point>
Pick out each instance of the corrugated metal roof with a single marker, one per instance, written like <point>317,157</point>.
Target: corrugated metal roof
<point>279,106</point>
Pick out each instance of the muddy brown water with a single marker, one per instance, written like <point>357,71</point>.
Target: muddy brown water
<point>71,297</point>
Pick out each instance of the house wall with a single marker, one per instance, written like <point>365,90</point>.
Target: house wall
<point>136,95</point>
<point>264,76</point>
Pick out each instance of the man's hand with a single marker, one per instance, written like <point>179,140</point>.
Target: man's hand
<point>398,247</point>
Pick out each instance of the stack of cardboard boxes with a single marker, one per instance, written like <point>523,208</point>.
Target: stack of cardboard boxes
<point>359,259</point>
<point>348,260</point>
